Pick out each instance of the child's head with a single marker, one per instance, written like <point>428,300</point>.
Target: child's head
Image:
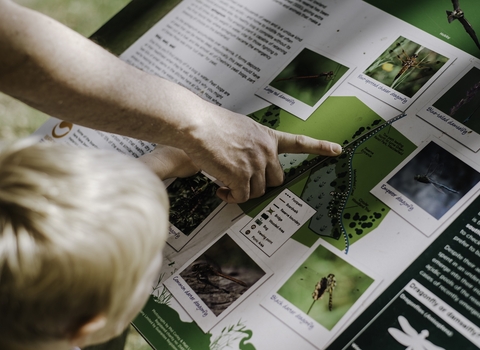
<point>81,235</point>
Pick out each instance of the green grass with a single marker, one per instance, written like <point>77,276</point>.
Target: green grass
<point>18,120</point>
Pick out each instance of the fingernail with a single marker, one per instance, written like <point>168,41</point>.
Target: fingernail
<point>336,148</point>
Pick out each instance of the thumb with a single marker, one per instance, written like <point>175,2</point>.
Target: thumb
<point>291,143</point>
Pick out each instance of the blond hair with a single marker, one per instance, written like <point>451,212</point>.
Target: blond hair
<point>78,229</point>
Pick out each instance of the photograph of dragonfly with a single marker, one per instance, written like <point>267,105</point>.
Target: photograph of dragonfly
<point>444,19</point>
<point>309,77</point>
<point>435,180</point>
<point>406,66</point>
<point>222,274</point>
<point>325,287</point>
<point>462,101</point>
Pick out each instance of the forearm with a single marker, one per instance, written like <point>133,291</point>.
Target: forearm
<point>67,76</point>
<point>61,73</point>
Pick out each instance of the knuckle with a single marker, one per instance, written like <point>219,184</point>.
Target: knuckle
<point>275,182</point>
<point>299,140</point>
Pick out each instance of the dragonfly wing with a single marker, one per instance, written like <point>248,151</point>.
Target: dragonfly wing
<point>434,166</point>
<point>309,278</point>
<point>407,328</point>
<point>442,187</point>
<point>399,336</point>
<point>429,346</point>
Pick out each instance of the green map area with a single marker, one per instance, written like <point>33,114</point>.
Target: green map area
<point>339,188</point>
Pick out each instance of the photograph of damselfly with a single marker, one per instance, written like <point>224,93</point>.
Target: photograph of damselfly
<point>435,180</point>
<point>305,82</point>
<point>406,66</point>
<point>325,287</point>
<point>309,76</point>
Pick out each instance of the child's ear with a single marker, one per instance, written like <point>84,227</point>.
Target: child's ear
<point>93,325</point>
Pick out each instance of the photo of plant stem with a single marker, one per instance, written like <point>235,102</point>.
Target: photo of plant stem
<point>462,100</point>
<point>308,77</point>
<point>406,66</point>
<point>192,200</point>
<point>222,274</point>
<point>351,283</point>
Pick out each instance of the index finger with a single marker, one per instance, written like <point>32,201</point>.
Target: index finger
<point>291,143</point>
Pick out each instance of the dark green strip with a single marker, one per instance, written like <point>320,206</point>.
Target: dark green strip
<point>123,29</point>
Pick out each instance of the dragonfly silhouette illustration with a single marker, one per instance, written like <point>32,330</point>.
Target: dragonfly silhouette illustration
<point>411,338</point>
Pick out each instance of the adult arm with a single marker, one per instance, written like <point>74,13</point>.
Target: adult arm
<point>63,74</point>
<point>168,162</point>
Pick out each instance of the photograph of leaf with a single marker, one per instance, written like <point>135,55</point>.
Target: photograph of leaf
<point>406,66</point>
<point>462,100</point>
<point>325,287</point>
<point>309,76</point>
<point>192,200</point>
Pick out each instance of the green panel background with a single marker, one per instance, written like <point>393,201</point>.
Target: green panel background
<point>168,331</point>
<point>431,17</point>
<point>376,331</point>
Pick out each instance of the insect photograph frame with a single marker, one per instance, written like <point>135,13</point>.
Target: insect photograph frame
<point>426,189</point>
<point>292,301</point>
<point>404,69</point>
<point>198,294</point>
<point>400,66</point>
<point>327,310</point>
<point>456,109</point>
<point>301,85</point>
